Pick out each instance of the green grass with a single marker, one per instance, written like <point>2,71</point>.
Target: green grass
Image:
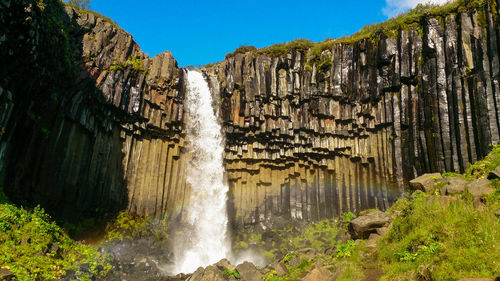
<point>481,168</point>
<point>128,226</point>
<point>450,175</point>
<point>234,272</point>
<point>454,242</point>
<point>135,64</point>
<point>33,247</point>
<point>294,273</point>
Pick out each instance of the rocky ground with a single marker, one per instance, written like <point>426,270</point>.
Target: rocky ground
<point>356,256</point>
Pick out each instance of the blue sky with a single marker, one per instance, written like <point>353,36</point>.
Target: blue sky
<point>200,32</point>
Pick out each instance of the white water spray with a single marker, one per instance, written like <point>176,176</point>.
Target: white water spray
<point>207,212</point>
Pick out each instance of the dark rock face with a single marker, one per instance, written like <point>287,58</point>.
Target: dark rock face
<point>299,141</point>
<point>105,132</point>
<point>109,139</point>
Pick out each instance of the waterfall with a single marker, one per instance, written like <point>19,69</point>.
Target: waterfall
<point>206,214</point>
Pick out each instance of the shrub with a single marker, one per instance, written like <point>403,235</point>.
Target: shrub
<point>234,272</point>
<point>80,4</point>
<point>33,247</point>
<point>128,226</point>
<point>134,63</point>
<point>241,50</point>
<point>345,249</point>
<point>481,168</point>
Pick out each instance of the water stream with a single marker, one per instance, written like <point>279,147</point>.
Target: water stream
<point>207,211</point>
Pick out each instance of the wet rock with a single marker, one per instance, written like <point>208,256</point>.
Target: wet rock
<point>225,264</point>
<point>318,274</point>
<point>426,182</point>
<point>280,268</point>
<point>249,272</point>
<point>307,253</point>
<point>361,227</point>
<point>210,273</point>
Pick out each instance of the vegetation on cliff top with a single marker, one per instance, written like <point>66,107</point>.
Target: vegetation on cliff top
<point>390,27</point>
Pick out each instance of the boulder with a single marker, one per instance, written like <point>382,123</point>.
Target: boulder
<point>479,187</point>
<point>249,272</point>
<point>210,273</point>
<point>476,279</point>
<point>441,200</point>
<point>383,230</point>
<point>307,253</point>
<point>494,174</point>
<point>225,264</point>
<point>6,274</point>
<point>372,240</point>
<point>280,268</point>
<point>361,227</point>
<point>426,182</point>
<point>455,185</point>
<point>424,274</point>
<point>318,274</point>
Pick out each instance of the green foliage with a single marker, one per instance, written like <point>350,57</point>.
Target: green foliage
<point>346,218</point>
<point>135,64</point>
<point>450,175</point>
<point>345,249</point>
<point>243,49</point>
<point>390,27</point>
<point>455,240</point>
<point>234,272</point>
<point>413,18</point>
<point>33,247</point>
<point>271,275</point>
<point>301,45</point>
<point>481,168</point>
<point>294,273</point>
<point>80,4</point>
<point>128,226</point>
<point>289,256</point>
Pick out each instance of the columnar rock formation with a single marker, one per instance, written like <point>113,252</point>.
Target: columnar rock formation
<point>114,141</point>
<point>303,140</point>
<point>423,98</point>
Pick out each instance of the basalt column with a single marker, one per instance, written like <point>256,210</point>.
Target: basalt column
<point>309,139</point>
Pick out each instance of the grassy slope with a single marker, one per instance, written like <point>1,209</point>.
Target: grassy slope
<point>452,241</point>
<point>34,247</point>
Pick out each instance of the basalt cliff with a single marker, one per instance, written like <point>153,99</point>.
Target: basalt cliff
<point>90,124</point>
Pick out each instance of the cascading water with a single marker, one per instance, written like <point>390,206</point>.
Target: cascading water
<point>207,212</point>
